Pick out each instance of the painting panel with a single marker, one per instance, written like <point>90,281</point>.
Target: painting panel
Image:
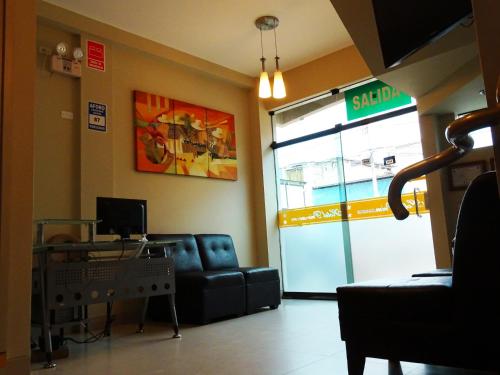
<point>190,139</point>
<point>221,145</point>
<point>154,141</point>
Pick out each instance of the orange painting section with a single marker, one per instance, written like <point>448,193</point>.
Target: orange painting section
<point>190,139</point>
<point>222,137</point>
<point>152,154</point>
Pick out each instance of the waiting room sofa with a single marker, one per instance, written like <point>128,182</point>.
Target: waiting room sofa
<point>440,320</point>
<point>209,282</point>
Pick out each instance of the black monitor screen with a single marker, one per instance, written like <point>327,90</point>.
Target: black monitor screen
<point>405,26</point>
<point>121,216</point>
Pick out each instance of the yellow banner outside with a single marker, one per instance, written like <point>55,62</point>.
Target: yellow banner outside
<point>373,208</point>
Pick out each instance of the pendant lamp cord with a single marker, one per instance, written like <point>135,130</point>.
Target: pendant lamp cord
<point>261,45</point>
<point>275,47</point>
<point>262,59</point>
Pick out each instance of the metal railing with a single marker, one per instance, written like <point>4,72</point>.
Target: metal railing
<point>457,133</point>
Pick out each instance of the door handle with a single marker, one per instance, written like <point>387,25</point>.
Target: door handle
<point>415,191</point>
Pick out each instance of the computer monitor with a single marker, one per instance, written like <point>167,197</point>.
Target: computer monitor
<point>121,216</point>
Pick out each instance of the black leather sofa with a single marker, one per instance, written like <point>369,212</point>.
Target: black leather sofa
<point>443,320</point>
<point>209,282</point>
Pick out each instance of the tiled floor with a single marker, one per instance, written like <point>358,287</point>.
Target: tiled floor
<point>300,338</point>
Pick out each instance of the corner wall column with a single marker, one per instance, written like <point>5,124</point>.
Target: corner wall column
<point>487,25</point>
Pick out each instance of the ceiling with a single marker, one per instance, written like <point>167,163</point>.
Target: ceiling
<point>223,31</point>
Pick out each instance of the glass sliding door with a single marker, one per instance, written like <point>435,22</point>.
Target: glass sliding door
<point>382,246</point>
<point>314,236</point>
<point>333,177</point>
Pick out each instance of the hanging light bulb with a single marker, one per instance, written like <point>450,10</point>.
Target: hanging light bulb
<point>279,90</point>
<point>264,85</point>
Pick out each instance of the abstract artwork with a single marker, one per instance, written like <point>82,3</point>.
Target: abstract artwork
<point>175,137</point>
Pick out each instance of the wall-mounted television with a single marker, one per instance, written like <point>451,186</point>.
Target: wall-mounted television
<point>405,26</point>
<point>121,216</point>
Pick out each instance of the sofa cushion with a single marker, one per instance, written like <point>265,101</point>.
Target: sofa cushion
<point>209,279</point>
<point>426,299</point>
<point>185,252</point>
<point>259,274</point>
<point>216,251</point>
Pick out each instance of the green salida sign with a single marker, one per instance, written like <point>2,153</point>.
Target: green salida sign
<point>372,98</point>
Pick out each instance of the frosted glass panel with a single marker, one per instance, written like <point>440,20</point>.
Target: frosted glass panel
<point>313,258</point>
<point>388,247</point>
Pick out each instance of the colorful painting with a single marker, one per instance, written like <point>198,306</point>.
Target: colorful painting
<point>175,137</point>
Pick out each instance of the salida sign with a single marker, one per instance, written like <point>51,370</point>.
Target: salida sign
<point>373,98</point>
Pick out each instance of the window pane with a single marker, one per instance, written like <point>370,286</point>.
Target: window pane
<point>366,147</point>
<point>305,168</point>
<point>482,138</point>
<point>309,118</point>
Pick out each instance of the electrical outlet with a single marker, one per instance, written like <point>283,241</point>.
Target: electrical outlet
<point>47,51</point>
<point>67,115</point>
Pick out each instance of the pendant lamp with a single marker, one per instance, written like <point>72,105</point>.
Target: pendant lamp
<point>278,91</point>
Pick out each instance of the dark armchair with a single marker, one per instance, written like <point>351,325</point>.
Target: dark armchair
<point>201,295</point>
<point>262,284</point>
<point>446,320</point>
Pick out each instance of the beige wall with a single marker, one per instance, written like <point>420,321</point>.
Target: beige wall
<point>17,183</point>
<point>57,146</point>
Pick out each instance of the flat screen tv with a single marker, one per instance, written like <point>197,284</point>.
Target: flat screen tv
<point>121,216</point>
<point>405,26</point>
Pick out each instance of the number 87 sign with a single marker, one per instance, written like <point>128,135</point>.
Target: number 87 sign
<point>97,116</point>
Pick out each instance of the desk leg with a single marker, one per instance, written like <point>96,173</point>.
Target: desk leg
<point>86,317</point>
<point>107,327</point>
<point>45,315</point>
<point>394,368</point>
<point>143,315</point>
<point>173,315</point>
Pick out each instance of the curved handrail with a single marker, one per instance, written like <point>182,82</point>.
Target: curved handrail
<point>457,133</point>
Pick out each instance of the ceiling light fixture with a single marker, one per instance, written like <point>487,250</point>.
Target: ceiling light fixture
<point>265,23</point>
